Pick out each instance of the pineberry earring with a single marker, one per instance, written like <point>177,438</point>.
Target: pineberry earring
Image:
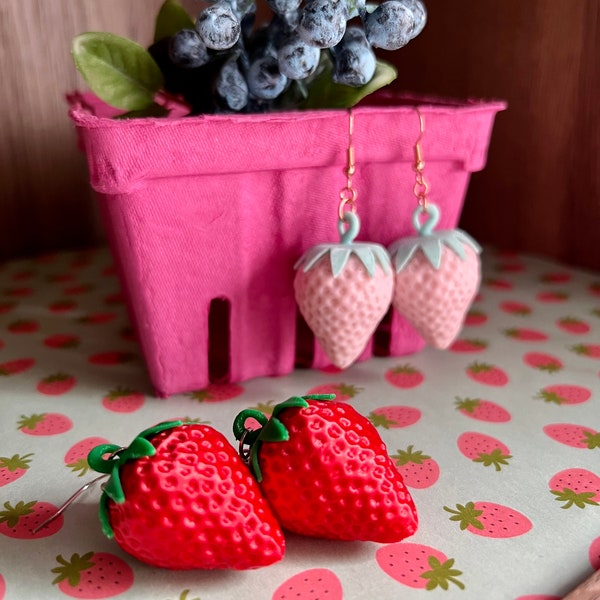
<point>437,272</point>
<point>344,289</point>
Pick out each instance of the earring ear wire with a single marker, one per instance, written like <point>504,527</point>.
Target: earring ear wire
<point>349,194</point>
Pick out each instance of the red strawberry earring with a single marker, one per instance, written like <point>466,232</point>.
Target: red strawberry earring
<point>437,273</point>
<point>344,289</point>
<point>180,497</point>
<point>325,471</point>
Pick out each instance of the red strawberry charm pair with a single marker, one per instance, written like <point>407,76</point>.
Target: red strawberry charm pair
<point>343,291</point>
<point>325,471</point>
<point>437,277</point>
<point>180,497</point>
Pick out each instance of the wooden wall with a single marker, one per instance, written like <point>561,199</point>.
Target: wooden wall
<point>539,193</point>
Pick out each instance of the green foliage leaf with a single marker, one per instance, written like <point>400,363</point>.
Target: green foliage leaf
<point>117,70</point>
<point>171,18</point>
<point>324,93</point>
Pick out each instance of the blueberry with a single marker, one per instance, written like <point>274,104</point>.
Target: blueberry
<point>218,26</point>
<point>265,80</point>
<point>354,61</point>
<point>283,6</point>
<point>323,22</point>
<point>187,50</point>
<point>419,14</point>
<point>390,25</point>
<point>231,86</point>
<point>297,60</point>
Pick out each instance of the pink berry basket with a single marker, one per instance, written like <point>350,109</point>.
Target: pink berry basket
<point>207,215</point>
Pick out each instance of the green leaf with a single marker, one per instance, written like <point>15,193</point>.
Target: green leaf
<point>118,71</point>
<point>171,18</point>
<point>324,93</point>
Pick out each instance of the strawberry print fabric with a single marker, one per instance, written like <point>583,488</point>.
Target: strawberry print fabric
<point>497,439</point>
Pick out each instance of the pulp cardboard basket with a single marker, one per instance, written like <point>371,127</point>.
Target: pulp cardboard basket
<point>207,215</point>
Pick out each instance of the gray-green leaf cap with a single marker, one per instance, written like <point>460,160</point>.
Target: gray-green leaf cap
<point>430,242</point>
<point>368,253</point>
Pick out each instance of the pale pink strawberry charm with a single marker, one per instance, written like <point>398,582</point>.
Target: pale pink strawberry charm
<point>437,276</point>
<point>343,291</point>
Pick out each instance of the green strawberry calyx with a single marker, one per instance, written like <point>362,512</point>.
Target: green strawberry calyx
<point>466,515</point>
<point>429,242</point>
<point>271,429</point>
<point>369,254</point>
<point>109,458</point>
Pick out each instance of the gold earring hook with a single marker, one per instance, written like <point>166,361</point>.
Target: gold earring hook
<point>419,162</point>
<point>350,168</point>
<point>348,194</point>
<point>421,187</point>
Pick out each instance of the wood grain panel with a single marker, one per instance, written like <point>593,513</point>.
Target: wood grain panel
<point>45,198</point>
<point>540,191</point>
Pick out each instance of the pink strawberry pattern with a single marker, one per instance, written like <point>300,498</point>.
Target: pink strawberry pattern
<point>392,417</point>
<point>92,575</point>
<point>513,307</point>
<point>419,566</point>
<point>567,393</point>
<point>13,467</point>
<point>21,519</point>
<point>56,384</point>
<point>576,436</point>
<point>484,449</point>
<point>217,392</point>
<point>496,437</point>
<point>468,345</point>
<point>524,334</point>
<point>44,424</point>
<point>576,487</point>
<point>123,400</point>
<point>311,584</point>
<point>418,469</point>
<point>76,457</point>
<point>487,374</point>
<point>482,410</point>
<point>489,519</point>
<point>543,361</point>
<point>404,376</point>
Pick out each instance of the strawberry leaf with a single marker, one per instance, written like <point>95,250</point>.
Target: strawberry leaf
<point>495,457</point>
<point>118,71</point>
<point>466,515</point>
<point>441,574</point>
<point>11,514</point>
<point>404,457</point>
<point>71,570</point>
<point>591,439</point>
<point>572,498</point>
<point>15,462</point>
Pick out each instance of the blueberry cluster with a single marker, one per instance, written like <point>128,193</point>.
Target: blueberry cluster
<point>228,63</point>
